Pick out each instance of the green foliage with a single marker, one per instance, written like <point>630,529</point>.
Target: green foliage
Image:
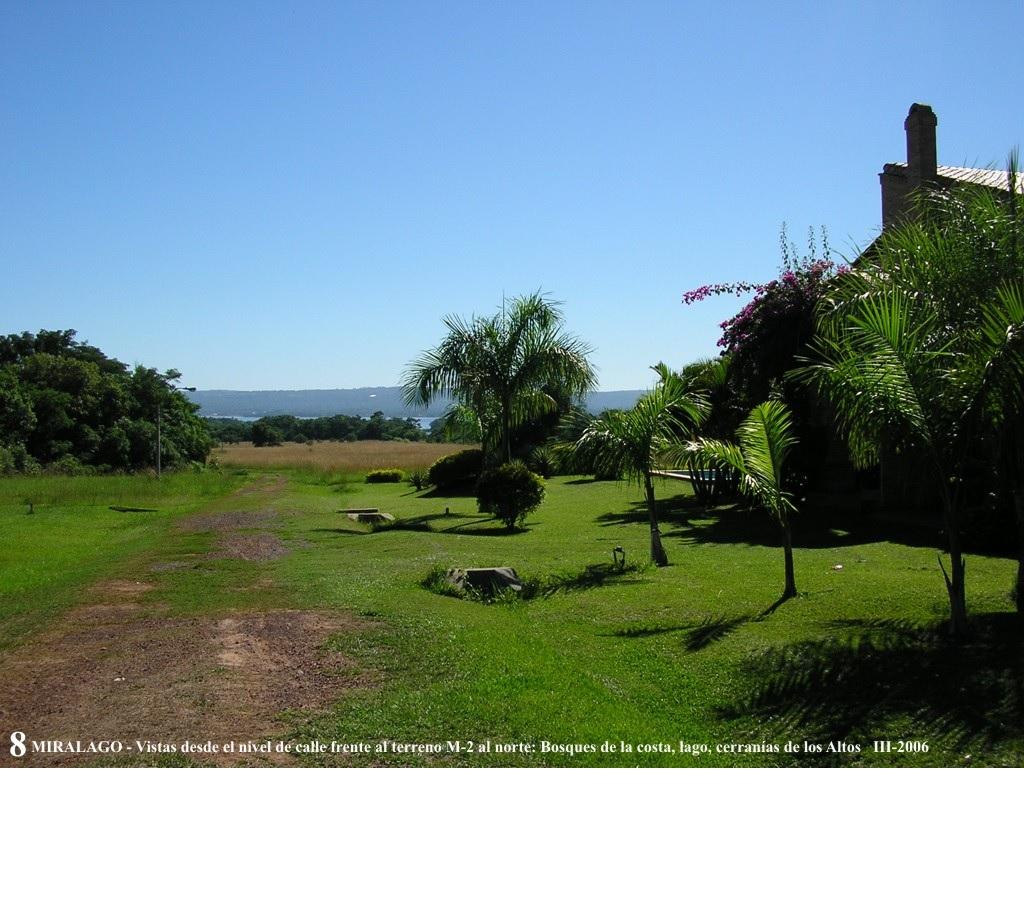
<point>503,371</point>
<point>761,345</point>
<point>921,351</point>
<point>510,492</point>
<point>229,430</point>
<point>63,401</point>
<point>545,460</point>
<point>419,478</point>
<point>766,439</point>
<point>629,443</point>
<point>266,434</point>
<point>291,429</point>
<point>457,470</point>
<point>385,476</point>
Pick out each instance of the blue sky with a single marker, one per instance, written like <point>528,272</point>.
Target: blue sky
<point>283,196</point>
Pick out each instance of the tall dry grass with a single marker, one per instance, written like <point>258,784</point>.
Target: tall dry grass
<point>331,456</point>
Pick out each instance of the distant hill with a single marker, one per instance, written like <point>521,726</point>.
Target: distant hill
<point>363,401</point>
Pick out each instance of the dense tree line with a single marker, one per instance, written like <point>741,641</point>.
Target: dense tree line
<point>274,429</point>
<point>65,404</point>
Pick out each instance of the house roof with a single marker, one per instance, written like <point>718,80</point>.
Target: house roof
<point>994,179</point>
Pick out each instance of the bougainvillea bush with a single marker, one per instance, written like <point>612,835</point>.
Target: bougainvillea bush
<point>764,338</point>
<point>768,336</point>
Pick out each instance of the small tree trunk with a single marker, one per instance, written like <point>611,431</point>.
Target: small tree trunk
<point>506,433</point>
<point>955,580</point>
<point>1018,590</point>
<point>787,540</point>
<point>658,556</point>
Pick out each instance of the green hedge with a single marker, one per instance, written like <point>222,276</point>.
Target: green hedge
<point>459,469</point>
<point>385,476</point>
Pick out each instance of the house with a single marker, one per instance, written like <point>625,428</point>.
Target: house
<point>900,180</point>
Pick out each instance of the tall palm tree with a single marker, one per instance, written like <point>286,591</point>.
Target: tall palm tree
<point>765,439</point>
<point>921,352</point>
<point>503,370</point>
<point>629,442</point>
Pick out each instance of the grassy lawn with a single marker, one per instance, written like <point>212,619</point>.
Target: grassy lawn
<point>653,657</point>
<point>664,655</point>
<point>73,537</point>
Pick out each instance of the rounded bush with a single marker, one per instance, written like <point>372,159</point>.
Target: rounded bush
<point>457,470</point>
<point>510,492</point>
<point>385,476</point>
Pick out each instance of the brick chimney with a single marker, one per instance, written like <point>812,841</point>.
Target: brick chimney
<point>899,181</point>
<point>922,160</point>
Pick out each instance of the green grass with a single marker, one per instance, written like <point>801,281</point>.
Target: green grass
<point>72,537</point>
<point>661,656</point>
<point>649,656</point>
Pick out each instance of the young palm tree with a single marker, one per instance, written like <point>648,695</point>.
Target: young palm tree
<point>921,354</point>
<point>765,440</point>
<point>710,376</point>
<point>629,442</point>
<point>503,370</point>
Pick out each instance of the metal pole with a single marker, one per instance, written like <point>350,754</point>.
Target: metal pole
<point>158,442</point>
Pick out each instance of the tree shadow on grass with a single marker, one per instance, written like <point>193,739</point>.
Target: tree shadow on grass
<point>592,576</point>
<point>595,575</point>
<point>696,635</point>
<point>713,629</point>
<point>444,493</point>
<point>467,528</point>
<point>958,694</point>
<point>691,522</point>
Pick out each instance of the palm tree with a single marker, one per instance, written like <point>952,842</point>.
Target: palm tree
<point>711,377</point>
<point>503,371</point>
<point>629,442</point>
<point>921,353</point>
<point>765,440</point>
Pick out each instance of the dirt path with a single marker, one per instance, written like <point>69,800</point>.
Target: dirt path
<point>118,668</point>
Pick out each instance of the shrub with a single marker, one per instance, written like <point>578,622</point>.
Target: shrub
<point>385,476</point>
<point>510,492</point>
<point>544,461</point>
<point>457,470</point>
<point>70,466</point>
<point>264,434</point>
<point>418,478</point>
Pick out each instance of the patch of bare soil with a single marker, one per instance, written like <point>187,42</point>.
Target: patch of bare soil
<point>251,547</point>
<point>236,537</point>
<point>119,672</point>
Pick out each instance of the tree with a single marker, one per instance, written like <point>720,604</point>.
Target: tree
<point>766,439</point>
<point>265,434</point>
<point>629,442</point>
<point>711,377</point>
<point>511,492</point>
<point>502,371</point>
<point>62,400</point>
<point>766,339</point>
<point>921,351</point>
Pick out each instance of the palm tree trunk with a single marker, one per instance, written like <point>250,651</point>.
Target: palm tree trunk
<point>1018,591</point>
<point>658,556</point>
<point>506,432</point>
<point>787,540</point>
<point>955,580</point>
